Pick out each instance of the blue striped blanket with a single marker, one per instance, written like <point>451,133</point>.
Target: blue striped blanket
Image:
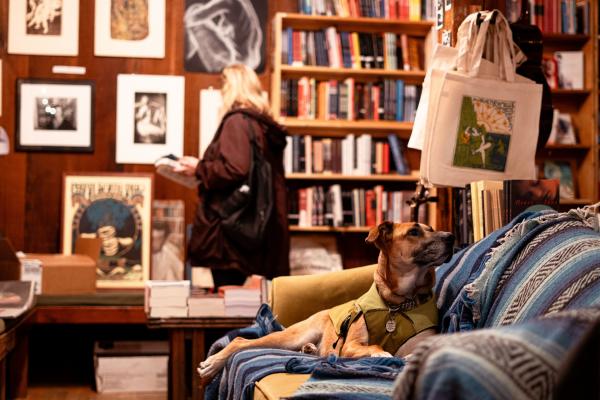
<point>519,361</point>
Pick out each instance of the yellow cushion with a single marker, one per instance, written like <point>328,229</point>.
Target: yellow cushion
<point>295,298</point>
<point>275,386</point>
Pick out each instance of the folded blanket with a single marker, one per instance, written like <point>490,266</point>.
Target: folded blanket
<point>347,378</point>
<point>520,361</point>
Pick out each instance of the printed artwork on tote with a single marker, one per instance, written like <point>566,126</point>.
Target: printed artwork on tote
<point>484,132</point>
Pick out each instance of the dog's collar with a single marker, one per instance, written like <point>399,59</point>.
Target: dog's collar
<point>409,304</point>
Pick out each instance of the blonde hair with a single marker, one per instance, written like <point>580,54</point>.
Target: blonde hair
<point>241,88</point>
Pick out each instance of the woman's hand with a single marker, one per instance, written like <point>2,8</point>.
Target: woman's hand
<point>187,165</point>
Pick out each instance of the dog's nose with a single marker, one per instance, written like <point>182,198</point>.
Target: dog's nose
<point>449,238</point>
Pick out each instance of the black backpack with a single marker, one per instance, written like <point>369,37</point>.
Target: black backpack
<point>246,212</point>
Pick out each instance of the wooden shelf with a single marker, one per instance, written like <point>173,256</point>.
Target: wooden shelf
<point>565,39</point>
<point>343,127</point>
<point>319,72</point>
<point>571,92</point>
<point>341,229</point>
<point>341,177</point>
<point>576,202</point>
<point>316,22</point>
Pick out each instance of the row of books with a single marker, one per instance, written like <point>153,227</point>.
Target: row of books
<point>352,155</point>
<point>349,100</point>
<point>555,16</point>
<point>356,50</point>
<point>337,207</point>
<point>176,299</point>
<point>486,205</point>
<point>564,69</point>
<point>411,10</point>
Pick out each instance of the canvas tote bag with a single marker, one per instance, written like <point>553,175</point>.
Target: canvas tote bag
<point>482,120</point>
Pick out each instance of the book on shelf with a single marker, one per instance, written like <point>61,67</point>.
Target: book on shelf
<point>16,297</point>
<point>356,207</point>
<point>413,10</point>
<point>562,171</point>
<point>166,167</point>
<point>555,16</point>
<point>482,207</point>
<point>570,69</point>
<point>563,131</point>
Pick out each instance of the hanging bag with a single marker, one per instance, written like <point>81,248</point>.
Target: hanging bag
<point>482,119</point>
<point>245,213</point>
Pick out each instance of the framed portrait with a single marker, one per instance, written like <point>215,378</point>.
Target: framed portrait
<point>43,27</point>
<point>54,115</point>
<point>219,33</point>
<point>149,117</point>
<point>130,28</point>
<point>168,240</point>
<point>117,209</point>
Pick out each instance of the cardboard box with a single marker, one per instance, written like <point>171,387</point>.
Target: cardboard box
<point>10,266</point>
<point>69,274</point>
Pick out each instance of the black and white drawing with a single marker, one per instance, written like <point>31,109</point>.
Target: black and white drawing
<point>219,33</point>
<point>56,113</point>
<point>44,17</point>
<point>150,118</point>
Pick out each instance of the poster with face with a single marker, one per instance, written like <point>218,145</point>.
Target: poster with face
<point>219,33</point>
<point>115,208</point>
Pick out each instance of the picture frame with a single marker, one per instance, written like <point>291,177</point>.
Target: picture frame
<point>54,115</point>
<point>220,33</point>
<point>564,171</point>
<point>116,208</point>
<point>44,31</point>
<point>168,240</point>
<point>122,29</point>
<point>149,117</point>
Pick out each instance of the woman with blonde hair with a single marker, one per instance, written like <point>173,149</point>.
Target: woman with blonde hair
<point>224,167</point>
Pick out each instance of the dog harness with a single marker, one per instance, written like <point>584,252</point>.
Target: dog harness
<point>388,327</point>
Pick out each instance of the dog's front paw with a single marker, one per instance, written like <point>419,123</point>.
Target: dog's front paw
<point>381,354</point>
<point>209,368</point>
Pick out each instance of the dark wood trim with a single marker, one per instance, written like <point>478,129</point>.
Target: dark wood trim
<point>89,315</point>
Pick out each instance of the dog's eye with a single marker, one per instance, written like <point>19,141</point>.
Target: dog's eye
<point>413,232</point>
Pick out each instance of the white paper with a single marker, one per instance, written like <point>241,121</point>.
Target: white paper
<point>4,143</point>
<point>210,104</point>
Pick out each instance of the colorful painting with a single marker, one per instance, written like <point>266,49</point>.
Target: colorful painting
<point>484,132</point>
<point>116,208</point>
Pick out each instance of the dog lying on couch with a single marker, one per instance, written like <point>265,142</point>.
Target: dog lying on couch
<point>395,314</point>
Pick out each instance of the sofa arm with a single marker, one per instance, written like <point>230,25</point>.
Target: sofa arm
<point>295,298</point>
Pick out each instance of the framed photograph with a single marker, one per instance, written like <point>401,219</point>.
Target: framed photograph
<point>220,33</point>
<point>54,115</point>
<point>168,240</point>
<point>116,208</point>
<point>125,28</point>
<point>149,117</point>
<point>563,171</point>
<point>43,27</point>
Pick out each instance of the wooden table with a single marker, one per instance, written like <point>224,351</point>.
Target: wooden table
<point>181,329</point>
<point>13,356</point>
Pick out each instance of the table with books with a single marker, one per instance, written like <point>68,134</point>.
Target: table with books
<point>195,318</point>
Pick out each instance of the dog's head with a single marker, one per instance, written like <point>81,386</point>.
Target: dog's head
<point>410,250</point>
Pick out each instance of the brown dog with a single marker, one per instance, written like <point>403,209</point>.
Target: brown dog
<point>409,252</point>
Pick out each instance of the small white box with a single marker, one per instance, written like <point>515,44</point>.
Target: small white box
<point>131,366</point>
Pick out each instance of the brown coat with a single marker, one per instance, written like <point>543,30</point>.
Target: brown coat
<point>223,168</point>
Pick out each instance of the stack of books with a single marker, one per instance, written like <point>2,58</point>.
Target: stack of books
<point>206,305</point>
<point>241,301</point>
<point>165,299</point>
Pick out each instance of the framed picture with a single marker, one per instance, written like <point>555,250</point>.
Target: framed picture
<point>125,28</point>
<point>116,208</point>
<point>168,240</point>
<point>220,33</point>
<point>149,117</point>
<point>563,171</point>
<point>54,115</point>
<point>43,27</point>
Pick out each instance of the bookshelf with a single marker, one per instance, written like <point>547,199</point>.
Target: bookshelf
<point>582,105</point>
<point>319,128</point>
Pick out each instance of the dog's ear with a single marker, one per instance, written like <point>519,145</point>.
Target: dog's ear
<point>381,235</point>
